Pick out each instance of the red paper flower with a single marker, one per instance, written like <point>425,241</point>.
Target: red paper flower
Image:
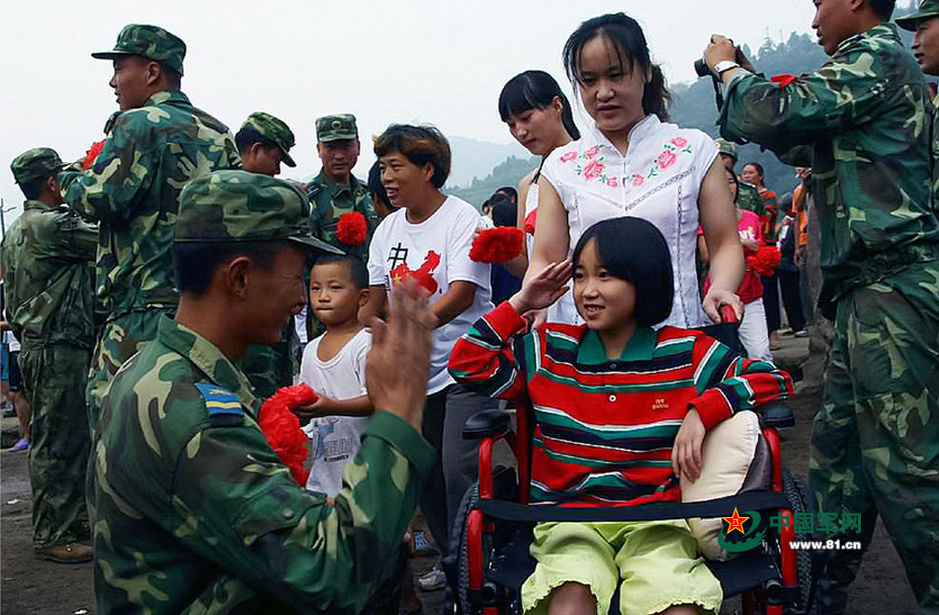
<point>497,245</point>
<point>782,80</point>
<point>352,229</point>
<point>92,154</point>
<point>765,261</point>
<point>281,427</point>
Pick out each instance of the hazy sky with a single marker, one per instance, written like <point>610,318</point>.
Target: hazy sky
<point>385,61</point>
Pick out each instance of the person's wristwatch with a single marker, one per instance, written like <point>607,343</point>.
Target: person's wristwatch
<point>725,65</point>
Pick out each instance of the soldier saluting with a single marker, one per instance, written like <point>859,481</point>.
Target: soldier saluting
<point>158,143</point>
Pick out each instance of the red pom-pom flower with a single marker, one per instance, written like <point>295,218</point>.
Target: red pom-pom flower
<point>282,429</point>
<point>92,154</point>
<point>352,229</point>
<point>497,245</point>
<point>765,261</point>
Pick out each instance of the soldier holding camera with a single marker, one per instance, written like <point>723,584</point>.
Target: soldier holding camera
<point>864,117</point>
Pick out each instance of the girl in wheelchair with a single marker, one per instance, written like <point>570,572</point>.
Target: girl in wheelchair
<point>621,411</point>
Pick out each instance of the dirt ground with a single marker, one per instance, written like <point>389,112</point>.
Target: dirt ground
<point>30,585</point>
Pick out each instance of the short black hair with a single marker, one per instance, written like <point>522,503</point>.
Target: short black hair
<point>173,77</point>
<point>508,191</point>
<point>883,8</point>
<point>504,211</point>
<point>419,144</point>
<point>377,188</point>
<point>194,264</point>
<point>248,136</point>
<point>32,190</point>
<point>633,249</point>
<point>358,273</point>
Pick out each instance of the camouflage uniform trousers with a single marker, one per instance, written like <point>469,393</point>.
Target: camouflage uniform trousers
<point>875,442</point>
<point>121,338</point>
<point>55,377</point>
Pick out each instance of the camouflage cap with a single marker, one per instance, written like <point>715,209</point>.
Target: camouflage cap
<point>150,42</point>
<point>927,10</point>
<point>274,130</point>
<point>236,205</point>
<point>37,163</point>
<point>336,128</point>
<point>726,147</point>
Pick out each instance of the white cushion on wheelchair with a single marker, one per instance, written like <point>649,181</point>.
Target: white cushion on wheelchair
<point>733,461</point>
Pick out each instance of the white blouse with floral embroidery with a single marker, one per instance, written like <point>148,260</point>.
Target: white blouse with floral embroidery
<point>658,179</point>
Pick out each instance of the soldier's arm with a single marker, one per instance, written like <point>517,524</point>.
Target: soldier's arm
<point>844,92</point>
<point>121,171</point>
<point>76,238</point>
<point>243,511</point>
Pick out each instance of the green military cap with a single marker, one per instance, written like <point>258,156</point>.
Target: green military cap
<point>726,147</point>
<point>150,42</point>
<point>236,205</point>
<point>927,10</point>
<point>274,130</point>
<point>336,128</point>
<point>37,163</point>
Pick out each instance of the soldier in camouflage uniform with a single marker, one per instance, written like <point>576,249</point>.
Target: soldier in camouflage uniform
<point>748,197</point>
<point>925,22</point>
<point>336,191</point>
<point>157,144</point>
<point>48,255</point>
<point>263,143</point>
<point>866,117</point>
<point>195,512</point>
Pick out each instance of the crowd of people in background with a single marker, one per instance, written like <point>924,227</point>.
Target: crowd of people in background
<point>167,283</point>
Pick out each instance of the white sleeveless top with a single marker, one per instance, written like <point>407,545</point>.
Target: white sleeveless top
<point>658,180</point>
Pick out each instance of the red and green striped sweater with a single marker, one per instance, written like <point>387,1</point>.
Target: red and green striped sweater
<point>604,429</point>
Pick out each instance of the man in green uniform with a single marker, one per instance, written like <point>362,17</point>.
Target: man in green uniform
<point>336,191</point>
<point>263,143</point>
<point>48,256</point>
<point>925,23</point>
<point>866,117</point>
<point>748,197</point>
<point>157,144</point>
<point>194,510</point>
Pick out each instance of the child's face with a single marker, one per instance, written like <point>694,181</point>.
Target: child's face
<point>334,299</point>
<point>605,302</point>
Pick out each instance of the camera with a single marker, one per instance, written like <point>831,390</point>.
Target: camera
<point>701,68</point>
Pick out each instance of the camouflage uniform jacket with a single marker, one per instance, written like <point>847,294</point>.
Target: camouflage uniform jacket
<point>196,513</point>
<point>329,200</point>
<point>935,155</point>
<point>866,116</point>
<point>47,258</point>
<point>133,190</point>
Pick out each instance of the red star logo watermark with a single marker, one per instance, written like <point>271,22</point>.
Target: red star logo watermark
<point>735,522</point>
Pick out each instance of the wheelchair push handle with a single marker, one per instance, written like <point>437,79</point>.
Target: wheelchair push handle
<point>727,314</point>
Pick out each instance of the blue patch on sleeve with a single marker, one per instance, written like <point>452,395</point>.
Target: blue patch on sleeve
<point>220,403</point>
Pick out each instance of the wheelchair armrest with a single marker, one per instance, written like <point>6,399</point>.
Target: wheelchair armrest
<point>776,415</point>
<point>486,424</point>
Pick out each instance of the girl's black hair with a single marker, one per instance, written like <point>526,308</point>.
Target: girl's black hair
<point>535,89</point>
<point>736,182</point>
<point>633,51</point>
<point>633,249</point>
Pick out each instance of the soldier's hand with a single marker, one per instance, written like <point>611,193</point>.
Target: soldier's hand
<point>398,365</point>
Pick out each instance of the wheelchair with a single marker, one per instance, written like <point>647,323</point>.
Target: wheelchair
<point>495,524</point>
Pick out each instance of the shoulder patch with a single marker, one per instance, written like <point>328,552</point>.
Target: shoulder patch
<point>223,406</point>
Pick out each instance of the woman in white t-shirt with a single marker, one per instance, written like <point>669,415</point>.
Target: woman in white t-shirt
<point>539,117</point>
<point>429,239</point>
<point>633,163</point>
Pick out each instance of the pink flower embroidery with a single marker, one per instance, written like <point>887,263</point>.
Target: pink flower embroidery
<point>679,142</point>
<point>666,159</point>
<point>567,157</point>
<point>611,182</point>
<point>593,170</point>
<point>638,180</point>
<point>592,152</point>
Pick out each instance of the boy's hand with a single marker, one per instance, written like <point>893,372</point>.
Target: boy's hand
<point>320,407</point>
<point>686,454</point>
<point>543,289</point>
<point>399,362</point>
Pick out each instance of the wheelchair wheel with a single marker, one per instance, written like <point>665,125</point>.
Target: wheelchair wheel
<point>466,505</point>
<point>802,501</point>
